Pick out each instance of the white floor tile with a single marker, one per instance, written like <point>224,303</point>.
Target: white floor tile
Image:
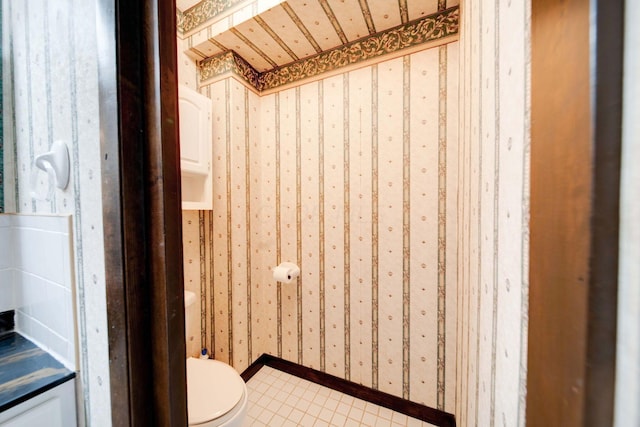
<point>382,422</point>
<point>314,409</point>
<point>274,406</point>
<point>265,416</point>
<point>320,400</point>
<point>359,403</point>
<point>399,418</point>
<point>277,420</point>
<point>385,413</point>
<point>347,399</point>
<point>338,420</point>
<point>309,395</point>
<point>343,408</point>
<point>296,415</point>
<point>307,420</point>
<point>303,405</point>
<point>285,410</point>
<point>324,391</point>
<point>413,422</point>
<point>331,404</point>
<point>336,395</point>
<point>356,413</point>
<point>369,419</point>
<point>352,423</point>
<point>325,414</point>
<point>371,408</point>
<point>277,399</point>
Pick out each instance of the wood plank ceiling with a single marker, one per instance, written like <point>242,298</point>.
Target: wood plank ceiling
<point>298,29</point>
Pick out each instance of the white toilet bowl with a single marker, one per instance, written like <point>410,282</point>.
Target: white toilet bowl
<point>216,393</point>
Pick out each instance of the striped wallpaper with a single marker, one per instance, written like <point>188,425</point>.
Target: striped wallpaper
<point>480,281</point>
<point>493,245</point>
<point>354,178</point>
<point>50,92</point>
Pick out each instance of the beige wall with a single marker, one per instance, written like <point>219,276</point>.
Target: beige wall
<point>485,251</point>
<point>353,177</point>
<point>487,220</point>
<point>50,92</point>
<point>493,211</point>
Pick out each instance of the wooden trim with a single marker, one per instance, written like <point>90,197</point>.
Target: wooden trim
<point>113,220</point>
<point>255,366</point>
<point>606,116</point>
<point>142,214</point>
<point>575,167</point>
<point>412,409</point>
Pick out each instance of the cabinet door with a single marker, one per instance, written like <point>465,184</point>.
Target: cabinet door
<point>195,149</point>
<point>195,131</point>
<point>53,408</point>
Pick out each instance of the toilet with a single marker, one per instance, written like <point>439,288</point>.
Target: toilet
<point>216,393</point>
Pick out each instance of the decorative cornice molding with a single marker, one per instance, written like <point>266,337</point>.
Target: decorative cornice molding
<point>203,12</point>
<point>430,28</point>
<point>179,21</point>
<point>229,62</point>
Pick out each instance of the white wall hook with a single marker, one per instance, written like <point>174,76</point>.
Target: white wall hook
<point>58,160</point>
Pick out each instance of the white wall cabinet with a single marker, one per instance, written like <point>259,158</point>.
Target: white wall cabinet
<point>53,408</point>
<point>195,149</point>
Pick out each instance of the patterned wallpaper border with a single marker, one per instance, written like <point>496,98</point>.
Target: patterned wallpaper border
<point>179,21</point>
<point>433,27</point>
<point>229,62</point>
<point>202,13</point>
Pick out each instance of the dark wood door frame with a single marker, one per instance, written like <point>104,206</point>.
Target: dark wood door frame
<point>574,206</point>
<point>576,117</point>
<point>142,211</point>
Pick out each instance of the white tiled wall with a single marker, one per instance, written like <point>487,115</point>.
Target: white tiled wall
<point>36,274</point>
<point>7,297</point>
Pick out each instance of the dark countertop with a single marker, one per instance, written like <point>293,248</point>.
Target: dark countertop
<point>26,370</point>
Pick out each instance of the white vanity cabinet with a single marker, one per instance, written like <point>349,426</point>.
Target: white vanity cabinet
<point>53,408</point>
<point>195,149</point>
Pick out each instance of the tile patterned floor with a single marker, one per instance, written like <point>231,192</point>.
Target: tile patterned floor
<point>278,399</point>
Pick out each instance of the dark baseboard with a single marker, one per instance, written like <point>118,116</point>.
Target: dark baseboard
<point>7,321</point>
<point>412,409</point>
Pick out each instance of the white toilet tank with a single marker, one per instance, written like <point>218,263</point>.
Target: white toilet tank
<point>189,306</point>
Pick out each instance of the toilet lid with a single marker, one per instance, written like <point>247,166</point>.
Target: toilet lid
<point>213,389</point>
